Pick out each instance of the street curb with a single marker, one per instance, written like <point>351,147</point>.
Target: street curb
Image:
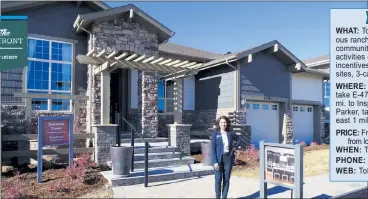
<point>354,194</point>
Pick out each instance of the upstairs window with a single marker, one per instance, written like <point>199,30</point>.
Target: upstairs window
<point>49,71</point>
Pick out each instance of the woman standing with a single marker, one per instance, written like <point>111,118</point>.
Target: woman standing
<point>223,155</point>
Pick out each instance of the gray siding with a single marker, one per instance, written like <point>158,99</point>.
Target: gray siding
<point>54,20</point>
<point>11,82</point>
<point>264,76</point>
<point>215,88</point>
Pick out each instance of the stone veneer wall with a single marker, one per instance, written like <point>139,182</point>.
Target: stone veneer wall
<point>105,137</point>
<point>289,128</point>
<point>124,35</point>
<point>148,104</point>
<point>322,128</point>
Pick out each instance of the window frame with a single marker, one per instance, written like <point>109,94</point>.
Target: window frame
<point>50,62</point>
<point>165,99</point>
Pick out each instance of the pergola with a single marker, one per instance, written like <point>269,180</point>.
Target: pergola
<point>166,68</point>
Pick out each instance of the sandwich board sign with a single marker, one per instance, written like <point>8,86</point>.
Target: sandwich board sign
<point>282,165</point>
<point>54,131</point>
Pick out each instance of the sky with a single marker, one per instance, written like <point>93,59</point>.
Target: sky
<point>219,27</point>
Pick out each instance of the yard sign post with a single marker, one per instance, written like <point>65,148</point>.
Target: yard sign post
<point>54,131</point>
<point>282,165</point>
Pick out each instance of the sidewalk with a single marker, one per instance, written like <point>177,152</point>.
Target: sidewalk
<point>314,187</point>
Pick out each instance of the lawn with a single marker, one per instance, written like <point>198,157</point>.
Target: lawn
<point>82,180</point>
<point>316,161</point>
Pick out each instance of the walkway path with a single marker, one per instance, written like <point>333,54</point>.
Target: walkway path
<point>314,187</point>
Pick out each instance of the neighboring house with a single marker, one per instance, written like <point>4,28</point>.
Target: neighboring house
<point>322,63</point>
<point>259,86</point>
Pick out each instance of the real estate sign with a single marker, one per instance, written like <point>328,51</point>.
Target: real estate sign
<point>54,131</point>
<point>282,165</point>
<point>279,164</point>
<point>13,42</point>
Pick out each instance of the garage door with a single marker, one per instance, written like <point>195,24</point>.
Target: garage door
<point>264,118</point>
<point>303,123</point>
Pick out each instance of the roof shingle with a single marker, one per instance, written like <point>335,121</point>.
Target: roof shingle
<point>187,51</point>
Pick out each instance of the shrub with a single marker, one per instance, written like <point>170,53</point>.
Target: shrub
<point>80,166</point>
<point>84,160</point>
<point>249,153</point>
<point>76,172</point>
<point>12,190</point>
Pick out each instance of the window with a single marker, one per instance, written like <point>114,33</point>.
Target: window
<point>265,106</point>
<point>302,109</point>
<point>247,105</point>
<point>295,108</point>
<point>326,96</point>
<point>309,109</point>
<point>166,97</point>
<point>49,72</point>
<point>327,89</point>
<point>255,106</point>
<point>274,107</point>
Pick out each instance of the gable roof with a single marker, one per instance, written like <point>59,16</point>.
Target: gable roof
<point>176,49</point>
<point>276,48</point>
<point>317,61</point>
<point>140,17</point>
<point>279,50</point>
<point>10,6</point>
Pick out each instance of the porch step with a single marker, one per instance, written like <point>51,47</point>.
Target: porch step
<point>140,140</point>
<point>155,156</point>
<point>140,150</point>
<point>128,136</point>
<point>156,163</point>
<point>159,174</point>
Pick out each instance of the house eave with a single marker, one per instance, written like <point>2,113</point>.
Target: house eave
<point>139,16</point>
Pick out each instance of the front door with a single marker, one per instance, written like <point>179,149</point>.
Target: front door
<point>119,96</point>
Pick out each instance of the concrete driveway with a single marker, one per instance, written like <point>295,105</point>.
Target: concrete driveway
<point>314,187</point>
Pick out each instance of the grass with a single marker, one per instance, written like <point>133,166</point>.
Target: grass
<point>316,161</point>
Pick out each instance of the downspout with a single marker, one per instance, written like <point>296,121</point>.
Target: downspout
<point>89,78</point>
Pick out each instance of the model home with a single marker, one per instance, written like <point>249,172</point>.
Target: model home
<point>120,60</point>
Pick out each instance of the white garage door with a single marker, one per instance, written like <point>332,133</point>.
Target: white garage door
<point>264,118</point>
<point>303,123</point>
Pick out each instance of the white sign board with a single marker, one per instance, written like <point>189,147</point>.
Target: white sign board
<point>349,95</point>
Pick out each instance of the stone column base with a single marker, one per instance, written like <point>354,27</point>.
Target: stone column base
<point>105,136</point>
<point>179,136</point>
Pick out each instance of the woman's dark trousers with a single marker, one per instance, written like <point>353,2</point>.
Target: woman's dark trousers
<point>223,175</point>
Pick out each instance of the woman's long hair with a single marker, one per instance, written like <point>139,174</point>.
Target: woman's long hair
<point>228,126</point>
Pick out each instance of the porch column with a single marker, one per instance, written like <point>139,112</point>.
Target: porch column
<point>179,133</point>
<point>105,97</point>
<point>178,101</point>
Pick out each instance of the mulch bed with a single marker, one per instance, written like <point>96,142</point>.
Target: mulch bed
<point>247,159</point>
<point>57,183</point>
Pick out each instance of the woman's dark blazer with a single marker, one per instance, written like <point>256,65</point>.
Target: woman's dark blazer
<point>218,146</point>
